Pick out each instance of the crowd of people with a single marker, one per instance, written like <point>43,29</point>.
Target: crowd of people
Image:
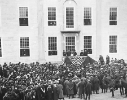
<point>49,81</point>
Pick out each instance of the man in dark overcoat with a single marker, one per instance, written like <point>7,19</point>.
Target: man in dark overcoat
<point>96,84</point>
<point>50,92</point>
<point>40,93</point>
<point>55,91</point>
<point>81,88</point>
<point>88,90</point>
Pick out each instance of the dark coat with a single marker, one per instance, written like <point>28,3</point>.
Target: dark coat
<point>68,53</point>
<point>64,54</point>
<point>75,89</point>
<point>60,89</point>
<point>55,93</point>
<point>40,95</point>
<point>81,87</point>
<point>88,88</point>
<point>70,88</point>
<point>1,97</point>
<point>4,90</point>
<point>1,71</point>
<point>81,53</point>
<point>5,73</point>
<point>96,83</point>
<point>49,93</point>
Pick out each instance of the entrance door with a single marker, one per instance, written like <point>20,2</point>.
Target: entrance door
<point>70,43</point>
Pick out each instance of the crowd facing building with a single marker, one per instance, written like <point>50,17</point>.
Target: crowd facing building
<point>50,81</point>
<point>39,30</point>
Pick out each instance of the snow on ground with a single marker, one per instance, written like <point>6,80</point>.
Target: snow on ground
<point>103,96</point>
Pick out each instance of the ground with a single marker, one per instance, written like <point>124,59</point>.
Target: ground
<point>104,96</point>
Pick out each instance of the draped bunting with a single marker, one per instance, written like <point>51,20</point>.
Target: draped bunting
<point>78,60</point>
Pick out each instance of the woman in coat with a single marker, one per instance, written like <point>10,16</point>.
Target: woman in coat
<point>60,89</point>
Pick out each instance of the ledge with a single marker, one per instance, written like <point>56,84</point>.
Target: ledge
<point>70,32</point>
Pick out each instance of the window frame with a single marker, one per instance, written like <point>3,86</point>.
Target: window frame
<point>113,16</point>
<point>70,19</point>
<point>113,44</point>
<point>51,16</point>
<point>52,46</point>
<point>88,44</point>
<point>23,16</point>
<point>70,43</point>
<point>24,47</point>
<point>87,16</point>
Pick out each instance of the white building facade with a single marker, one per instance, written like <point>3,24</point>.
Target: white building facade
<point>39,30</point>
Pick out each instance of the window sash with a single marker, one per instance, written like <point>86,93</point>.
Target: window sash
<point>87,42</point>
<point>113,44</point>
<point>51,13</point>
<point>23,21</point>
<point>113,48</point>
<point>52,43</point>
<point>23,12</point>
<point>24,52</point>
<point>69,17</point>
<point>24,42</point>
<point>113,14</point>
<point>70,43</point>
<point>87,13</point>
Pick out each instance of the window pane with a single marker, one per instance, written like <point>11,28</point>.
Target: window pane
<point>70,43</point>
<point>88,44</point>
<point>113,16</point>
<point>87,16</point>
<point>69,17</point>
<point>23,21</point>
<point>24,42</point>
<point>52,16</point>
<point>52,45</point>
<point>113,44</point>
<point>23,12</point>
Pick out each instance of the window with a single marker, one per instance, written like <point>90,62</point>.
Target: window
<point>113,44</point>
<point>0,49</point>
<point>51,16</point>
<point>113,16</point>
<point>70,43</point>
<point>24,47</point>
<point>88,44</point>
<point>23,16</point>
<point>69,17</point>
<point>87,16</point>
<point>52,46</point>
